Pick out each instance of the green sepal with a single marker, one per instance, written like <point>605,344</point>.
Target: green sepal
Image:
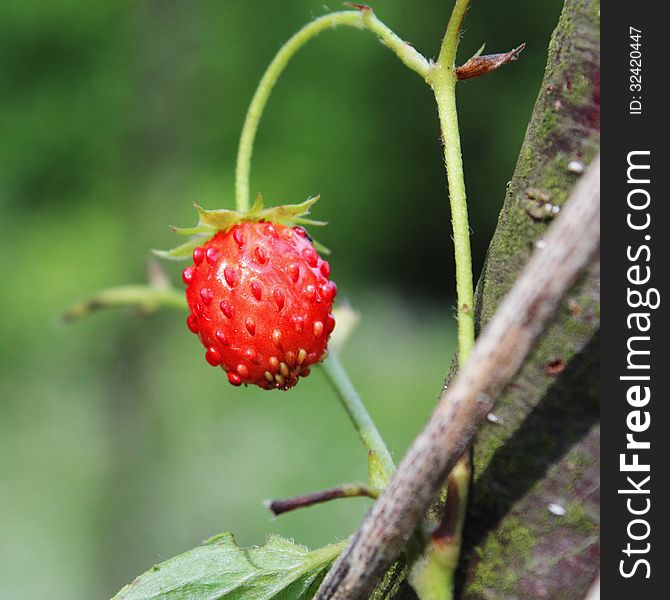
<point>285,214</point>
<point>217,220</point>
<point>320,248</point>
<point>212,221</point>
<point>184,250</point>
<point>303,221</point>
<point>197,230</point>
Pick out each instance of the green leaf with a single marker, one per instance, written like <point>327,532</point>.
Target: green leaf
<point>221,570</point>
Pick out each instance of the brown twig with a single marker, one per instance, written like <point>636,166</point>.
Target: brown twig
<point>346,490</point>
<point>570,244</point>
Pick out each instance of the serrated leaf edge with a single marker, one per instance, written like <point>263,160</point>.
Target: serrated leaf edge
<point>257,582</point>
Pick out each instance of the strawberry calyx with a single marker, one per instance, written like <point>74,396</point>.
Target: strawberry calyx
<point>213,221</point>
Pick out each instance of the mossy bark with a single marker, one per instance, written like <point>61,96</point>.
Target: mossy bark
<point>533,522</point>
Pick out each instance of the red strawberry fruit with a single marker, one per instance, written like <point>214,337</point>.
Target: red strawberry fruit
<point>261,302</point>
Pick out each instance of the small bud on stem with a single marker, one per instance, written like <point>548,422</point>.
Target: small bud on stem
<point>481,65</point>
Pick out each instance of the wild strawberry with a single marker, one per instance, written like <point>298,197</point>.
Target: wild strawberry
<point>261,301</point>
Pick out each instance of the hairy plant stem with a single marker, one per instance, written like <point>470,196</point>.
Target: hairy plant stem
<point>433,576</point>
<point>447,56</point>
<point>443,81</point>
<point>380,463</point>
<point>363,18</point>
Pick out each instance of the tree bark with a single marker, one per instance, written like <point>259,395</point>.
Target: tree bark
<point>540,458</point>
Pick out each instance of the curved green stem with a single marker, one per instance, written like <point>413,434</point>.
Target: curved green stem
<point>380,463</point>
<point>403,50</point>
<point>362,19</point>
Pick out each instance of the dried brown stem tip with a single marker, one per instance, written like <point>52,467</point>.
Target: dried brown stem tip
<point>446,531</point>
<point>361,7</point>
<point>481,65</point>
<point>347,490</point>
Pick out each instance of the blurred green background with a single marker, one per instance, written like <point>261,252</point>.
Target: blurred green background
<point>119,445</point>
